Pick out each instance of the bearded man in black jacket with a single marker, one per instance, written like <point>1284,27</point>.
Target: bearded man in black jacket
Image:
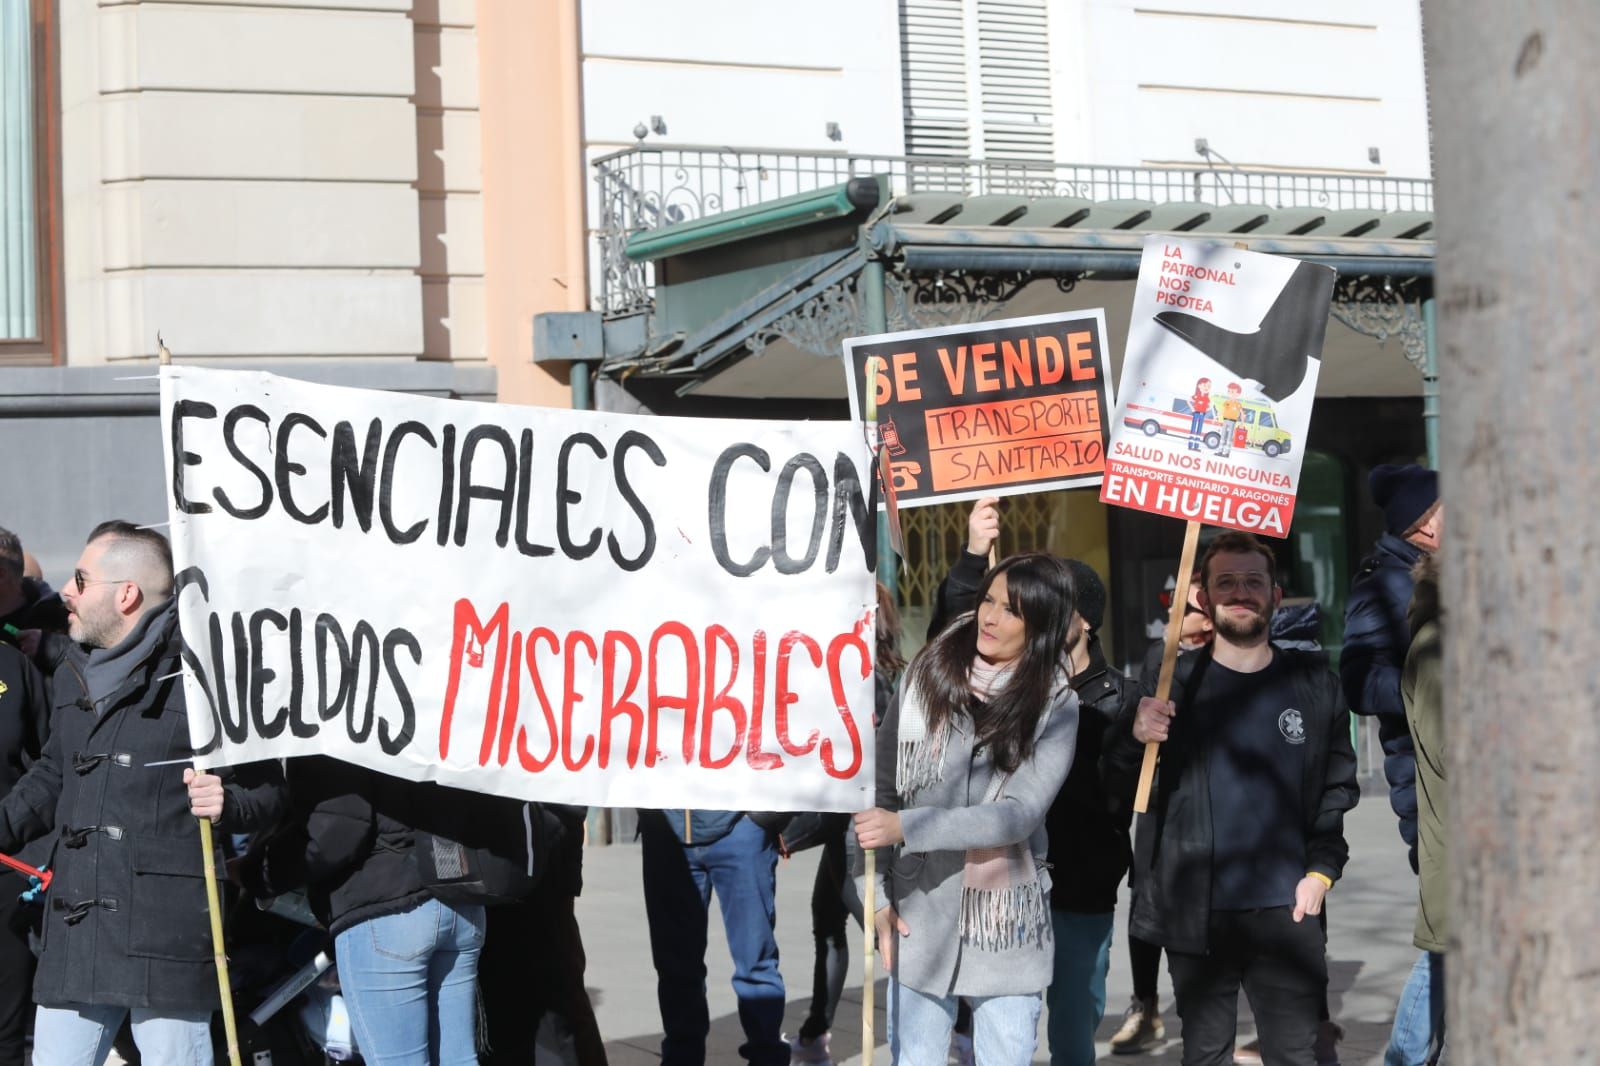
<point>1245,832</point>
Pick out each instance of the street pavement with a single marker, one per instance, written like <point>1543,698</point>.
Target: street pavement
<point>1369,947</point>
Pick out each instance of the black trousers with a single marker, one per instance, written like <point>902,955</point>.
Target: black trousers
<point>828,920</point>
<point>1281,964</point>
<point>16,968</point>
<point>532,964</point>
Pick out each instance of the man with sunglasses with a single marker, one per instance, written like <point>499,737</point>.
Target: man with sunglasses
<point>1245,833</point>
<point>126,930</point>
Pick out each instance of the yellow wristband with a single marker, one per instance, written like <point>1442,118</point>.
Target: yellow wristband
<point>1327,882</point>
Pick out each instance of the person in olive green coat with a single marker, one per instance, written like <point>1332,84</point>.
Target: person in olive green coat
<point>1421,686</point>
<point>1419,1023</point>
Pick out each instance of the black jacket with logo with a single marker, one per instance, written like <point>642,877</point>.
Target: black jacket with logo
<point>1172,857</point>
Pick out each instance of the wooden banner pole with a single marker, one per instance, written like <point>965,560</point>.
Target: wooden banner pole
<point>219,948</point>
<point>230,1028</point>
<point>1169,657</point>
<point>869,897</point>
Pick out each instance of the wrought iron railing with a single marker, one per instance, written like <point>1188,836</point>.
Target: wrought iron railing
<point>649,186</point>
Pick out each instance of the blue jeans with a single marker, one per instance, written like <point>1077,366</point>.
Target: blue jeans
<point>1418,1035</point>
<point>1077,992</point>
<point>410,980</point>
<point>741,868</point>
<point>82,1035</point>
<point>1005,1029</point>
<point>1197,426</point>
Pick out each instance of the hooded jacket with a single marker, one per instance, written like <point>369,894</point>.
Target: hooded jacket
<point>125,919</point>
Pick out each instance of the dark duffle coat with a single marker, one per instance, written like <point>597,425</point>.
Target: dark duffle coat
<point>125,918</point>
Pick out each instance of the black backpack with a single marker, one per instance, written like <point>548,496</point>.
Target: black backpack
<point>476,848</point>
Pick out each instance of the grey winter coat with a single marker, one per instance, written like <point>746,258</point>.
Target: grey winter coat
<point>923,881</point>
<point>125,919</point>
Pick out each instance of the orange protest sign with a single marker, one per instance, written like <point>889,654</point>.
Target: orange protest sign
<point>992,408</point>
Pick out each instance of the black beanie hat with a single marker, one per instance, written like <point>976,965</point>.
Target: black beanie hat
<point>1405,493</point>
<point>1090,593</point>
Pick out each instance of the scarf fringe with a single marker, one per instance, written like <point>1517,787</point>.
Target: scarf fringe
<point>919,763</point>
<point>1002,919</point>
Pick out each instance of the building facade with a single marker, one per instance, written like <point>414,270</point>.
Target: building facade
<point>386,193</point>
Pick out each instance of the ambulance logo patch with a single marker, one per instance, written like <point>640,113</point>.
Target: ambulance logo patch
<point>1292,726</point>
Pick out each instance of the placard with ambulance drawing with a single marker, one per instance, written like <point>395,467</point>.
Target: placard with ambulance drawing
<point>1224,347</point>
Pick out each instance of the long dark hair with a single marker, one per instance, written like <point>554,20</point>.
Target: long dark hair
<point>1039,588</point>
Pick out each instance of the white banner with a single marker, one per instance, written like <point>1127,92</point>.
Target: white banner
<point>558,605</point>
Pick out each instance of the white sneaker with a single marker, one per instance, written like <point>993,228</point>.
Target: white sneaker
<point>809,1051</point>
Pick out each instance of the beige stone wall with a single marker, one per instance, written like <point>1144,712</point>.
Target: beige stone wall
<point>241,178</point>
<point>449,179</point>
<point>302,179</point>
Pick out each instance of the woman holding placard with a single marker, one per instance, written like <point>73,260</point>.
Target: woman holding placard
<point>970,756</point>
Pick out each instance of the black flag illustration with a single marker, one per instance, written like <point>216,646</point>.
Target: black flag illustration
<point>1277,353</point>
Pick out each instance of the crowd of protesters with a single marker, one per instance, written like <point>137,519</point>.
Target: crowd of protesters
<point>1008,756</point>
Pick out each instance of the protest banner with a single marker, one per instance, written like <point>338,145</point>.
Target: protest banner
<point>1214,406</point>
<point>993,408</point>
<point>547,604</point>
<point>1224,346</point>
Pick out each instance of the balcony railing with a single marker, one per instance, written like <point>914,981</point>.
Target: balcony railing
<point>647,187</point>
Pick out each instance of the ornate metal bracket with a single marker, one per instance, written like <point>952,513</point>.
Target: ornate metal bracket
<point>819,325</point>
<point>912,301</point>
<point>1382,308</point>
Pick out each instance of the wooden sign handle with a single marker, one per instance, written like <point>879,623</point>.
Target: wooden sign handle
<point>1169,658</point>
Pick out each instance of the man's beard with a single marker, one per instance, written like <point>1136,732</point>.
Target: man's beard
<point>1240,630</point>
<point>91,631</point>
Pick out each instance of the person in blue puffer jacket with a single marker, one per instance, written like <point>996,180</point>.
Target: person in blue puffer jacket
<point>1375,631</point>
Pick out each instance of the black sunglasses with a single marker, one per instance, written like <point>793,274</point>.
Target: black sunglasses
<point>83,581</point>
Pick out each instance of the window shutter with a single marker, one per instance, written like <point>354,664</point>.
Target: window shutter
<point>1014,71</point>
<point>1007,43</point>
<point>933,64</point>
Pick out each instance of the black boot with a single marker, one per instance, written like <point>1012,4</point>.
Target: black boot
<point>1277,353</point>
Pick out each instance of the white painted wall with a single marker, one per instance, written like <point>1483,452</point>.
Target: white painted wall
<point>766,73</point>
<point>1271,84</point>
